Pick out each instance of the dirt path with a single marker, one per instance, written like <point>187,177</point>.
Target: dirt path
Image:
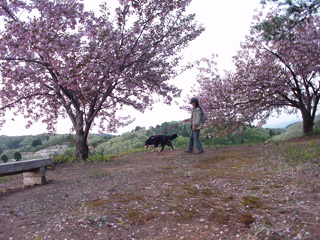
<point>226,193</point>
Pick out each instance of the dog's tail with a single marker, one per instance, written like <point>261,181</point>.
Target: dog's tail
<point>174,136</point>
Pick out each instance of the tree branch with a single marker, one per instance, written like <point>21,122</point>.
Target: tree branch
<point>20,99</point>
<point>22,59</point>
<point>9,13</point>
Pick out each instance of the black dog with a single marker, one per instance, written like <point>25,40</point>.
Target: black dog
<point>160,140</point>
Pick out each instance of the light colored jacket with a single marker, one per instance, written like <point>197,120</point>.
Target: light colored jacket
<point>195,119</point>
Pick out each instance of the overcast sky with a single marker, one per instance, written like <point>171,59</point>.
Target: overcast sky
<point>226,23</point>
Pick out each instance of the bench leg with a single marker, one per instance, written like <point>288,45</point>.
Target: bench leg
<point>33,178</point>
<point>43,175</point>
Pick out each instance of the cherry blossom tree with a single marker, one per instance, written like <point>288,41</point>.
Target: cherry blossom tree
<point>59,60</point>
<point>277,69</point>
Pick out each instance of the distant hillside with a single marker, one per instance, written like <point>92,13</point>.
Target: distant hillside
<point>294,130</point>
<point>285,124</point>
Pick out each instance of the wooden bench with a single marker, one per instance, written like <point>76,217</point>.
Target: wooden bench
<point>33,170</point>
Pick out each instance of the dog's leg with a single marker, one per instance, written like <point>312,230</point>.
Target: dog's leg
<point>155,147</point>
<point>162,147</point>
<point>170,145</point>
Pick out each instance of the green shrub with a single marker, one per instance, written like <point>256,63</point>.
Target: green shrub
<point>17,156</point>
<point>57,159</point>
<point>4,158</point>
<point>69,151</point>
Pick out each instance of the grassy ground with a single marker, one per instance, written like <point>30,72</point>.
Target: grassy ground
<point>241,192</point>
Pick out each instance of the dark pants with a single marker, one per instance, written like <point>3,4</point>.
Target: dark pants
<point>194,137</point>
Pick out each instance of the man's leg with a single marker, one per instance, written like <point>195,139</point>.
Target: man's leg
<point>196,138</point>
<point>191,142</point>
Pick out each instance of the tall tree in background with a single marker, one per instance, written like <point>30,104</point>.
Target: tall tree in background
<point>56,59</point>
<point>277,68</point>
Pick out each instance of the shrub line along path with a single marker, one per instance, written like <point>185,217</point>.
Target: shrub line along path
<point>237,192</point>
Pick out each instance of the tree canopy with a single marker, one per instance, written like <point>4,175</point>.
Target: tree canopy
<point>58,60</point>
<point>36,142</point>
<point>277,68</point>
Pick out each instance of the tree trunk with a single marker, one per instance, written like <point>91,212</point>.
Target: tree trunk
<point>308,122</point>
<point>82,150</point>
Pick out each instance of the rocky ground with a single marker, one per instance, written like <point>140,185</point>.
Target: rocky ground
<point>238,192</point>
